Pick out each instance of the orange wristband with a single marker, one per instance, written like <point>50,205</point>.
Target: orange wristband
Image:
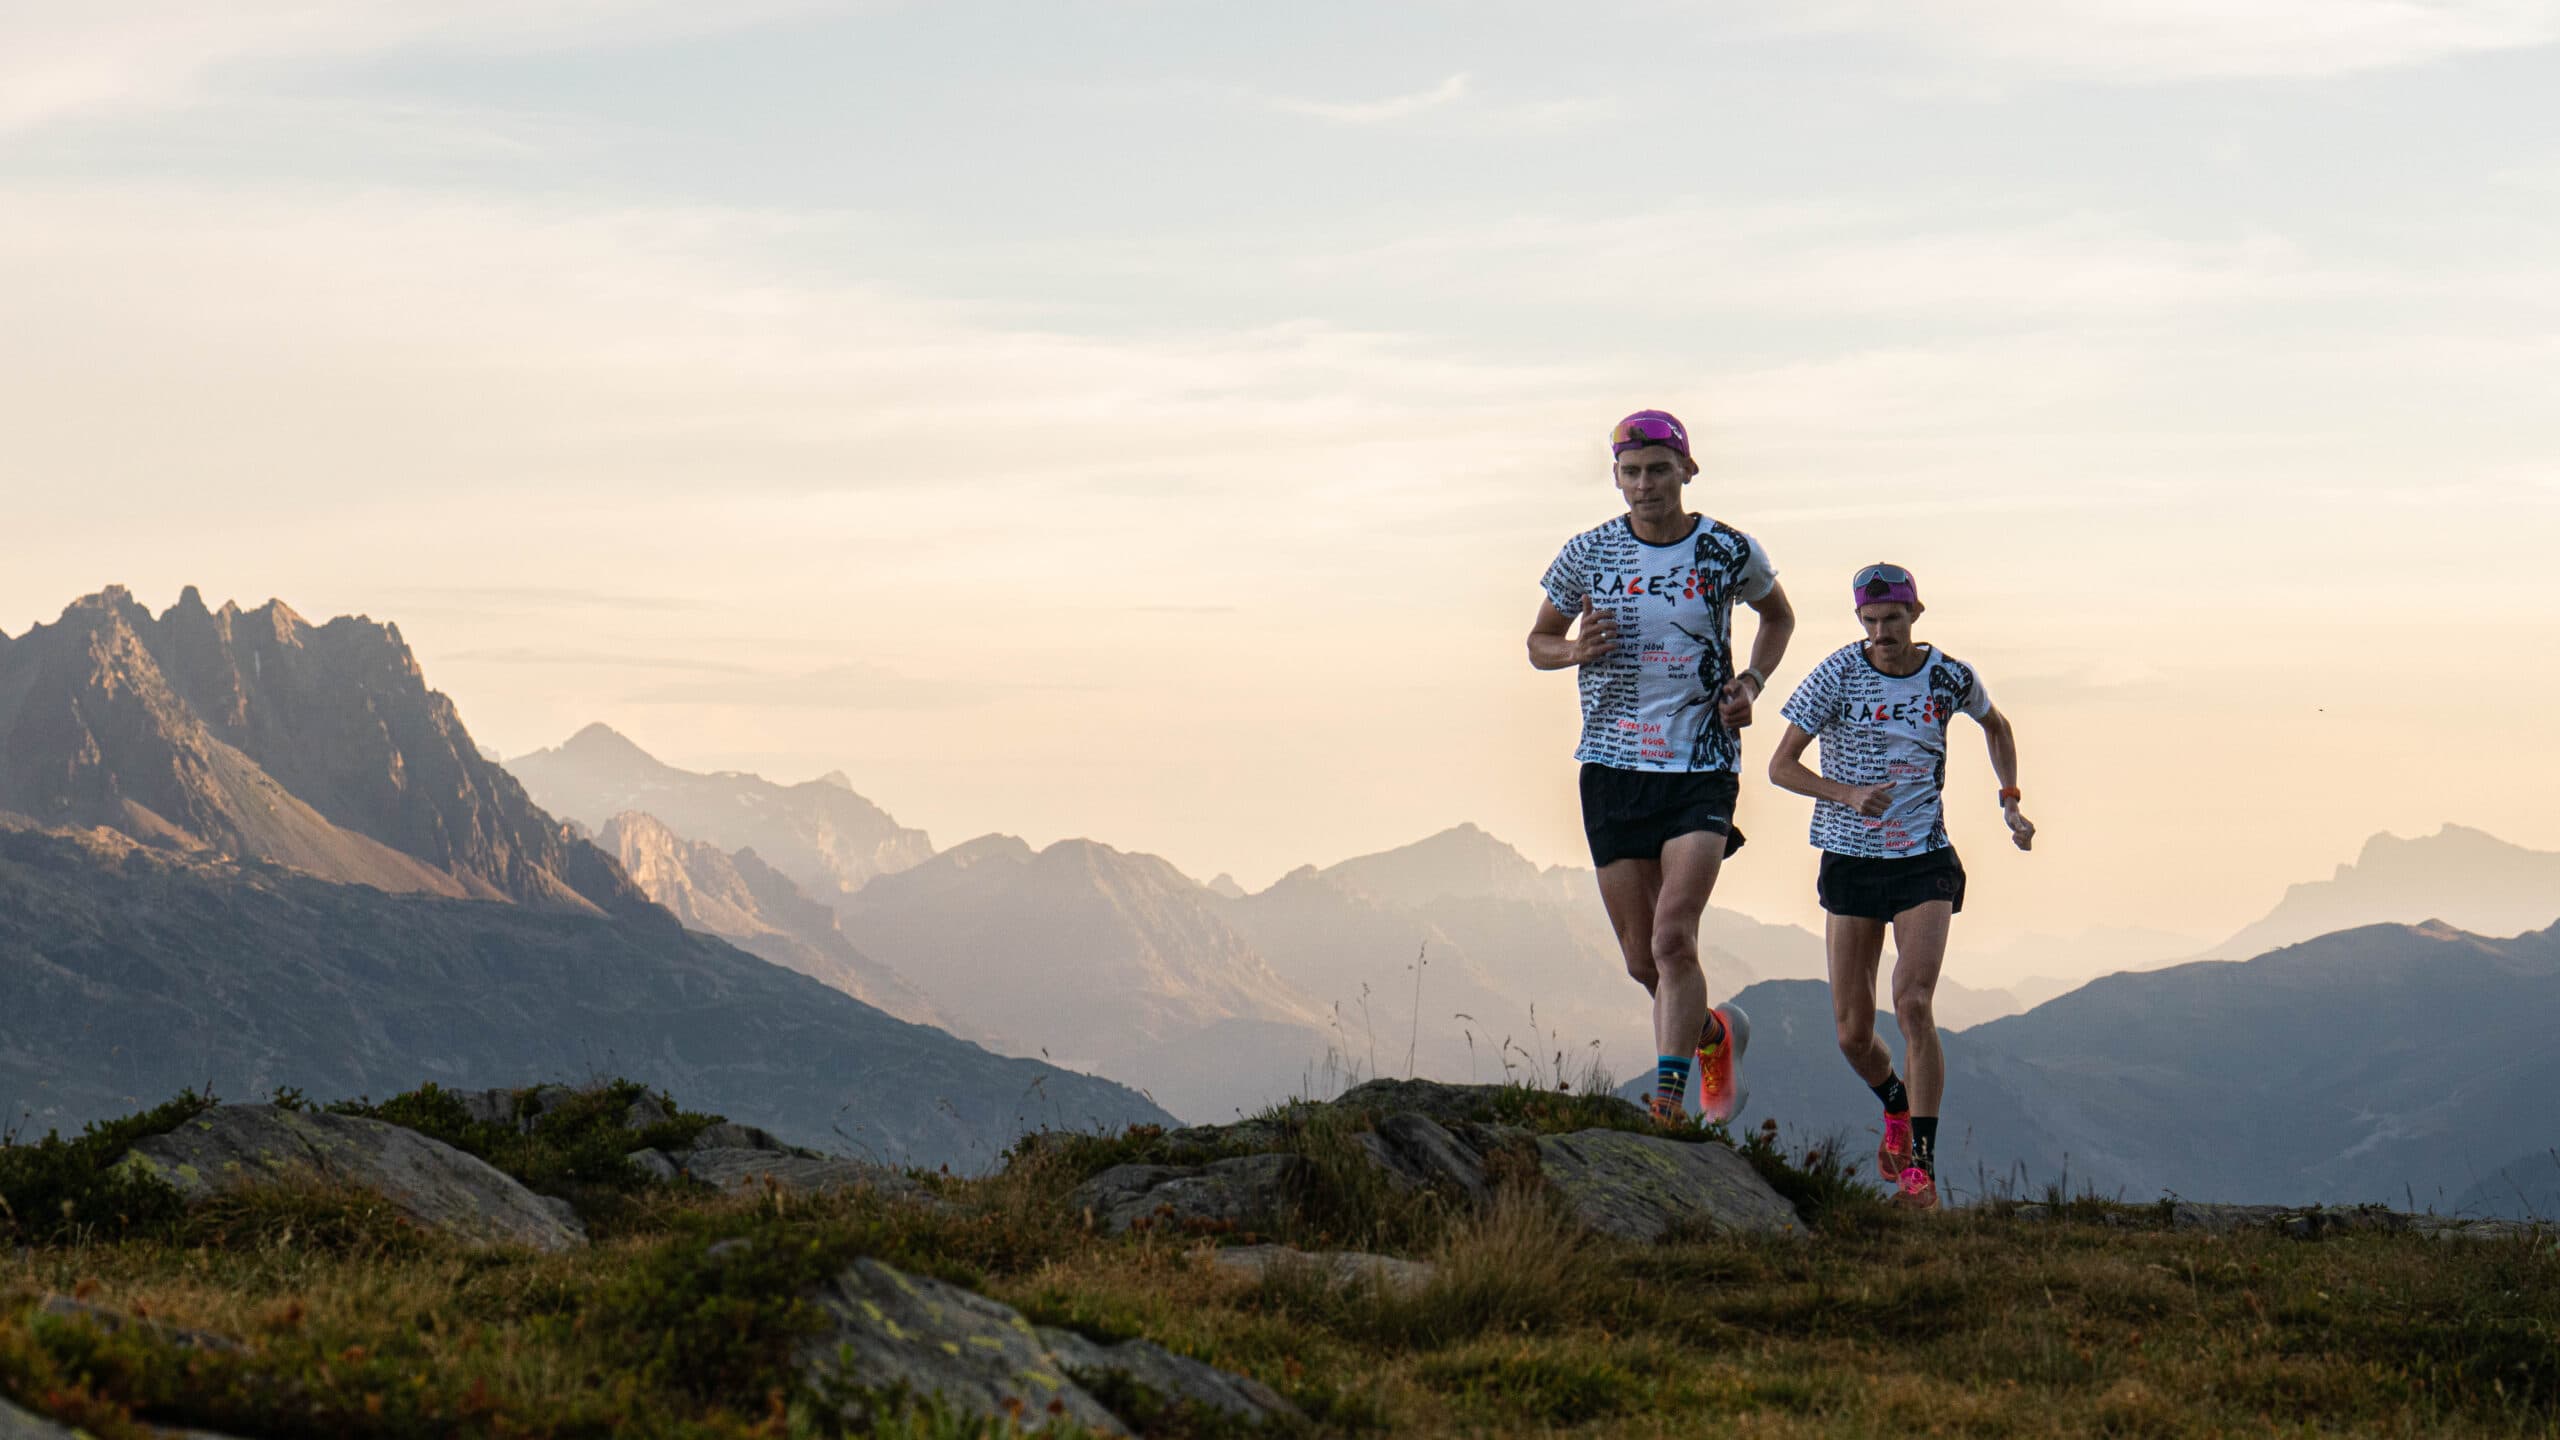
<point>2008,794</point>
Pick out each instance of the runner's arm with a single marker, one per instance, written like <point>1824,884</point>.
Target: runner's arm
<point>2003,739</point>
<point>1550,648</point>
<point>1768,647</point>
<point>1788,771</point>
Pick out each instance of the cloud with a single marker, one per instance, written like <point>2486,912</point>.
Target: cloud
<point>2153,40</point>
<point>65,60</point>
<point>1373,112</point>
<point>529,655</point>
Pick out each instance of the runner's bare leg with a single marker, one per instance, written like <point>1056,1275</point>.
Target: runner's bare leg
<point>1919,952</point>
<point>1853,947</point>
<point>1689,866</point>
<point>1629,888</point>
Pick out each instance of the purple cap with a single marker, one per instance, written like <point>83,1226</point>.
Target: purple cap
<point>1881,583</point>
<point>1649,427</point>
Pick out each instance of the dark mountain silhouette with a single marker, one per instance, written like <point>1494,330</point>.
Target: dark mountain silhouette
<point>131,972</point>
<point>2467,878</point>
<point>758,909</point>
<point>829,840</point>
<point>250,851</point>
<point>2525,1188</point>
<point>2388,1063</point>
<point>258,735</point>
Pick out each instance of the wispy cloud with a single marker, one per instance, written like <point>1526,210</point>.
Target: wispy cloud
<point>1373,112</point>
<point>2149,40</point>
<point>531,655</point>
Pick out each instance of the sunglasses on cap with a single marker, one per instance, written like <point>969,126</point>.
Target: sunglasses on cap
<point>1647,430</point>
<point>1877,582</point>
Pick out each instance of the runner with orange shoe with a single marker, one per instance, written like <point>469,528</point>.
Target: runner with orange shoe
<point>1881,709</point>
<point>1642,606</point>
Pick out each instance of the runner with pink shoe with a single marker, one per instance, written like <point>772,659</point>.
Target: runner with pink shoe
<point>1881,709</point>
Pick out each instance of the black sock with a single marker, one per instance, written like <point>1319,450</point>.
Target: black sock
<point>1896,1100</point>
<point>1924,1143</point>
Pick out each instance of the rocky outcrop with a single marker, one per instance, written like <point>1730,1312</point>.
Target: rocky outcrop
<point>1247,1192</point>
<point>233,1147</point>
<point>1448,1140</point>
<point>893,1334</point>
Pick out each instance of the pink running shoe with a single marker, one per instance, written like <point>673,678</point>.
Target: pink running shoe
<point>1894,1155</point>
<point>1918,1192</point>
<point>1720,1092</point>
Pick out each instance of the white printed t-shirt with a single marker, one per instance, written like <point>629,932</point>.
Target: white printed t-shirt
<point>1651,705</point>
<point>1875,728</point>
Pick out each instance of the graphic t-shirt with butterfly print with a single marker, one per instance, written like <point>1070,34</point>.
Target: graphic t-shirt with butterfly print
<point>1874,728</point>
<point>1651,704</point>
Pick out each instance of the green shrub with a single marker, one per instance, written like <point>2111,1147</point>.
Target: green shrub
<point>60,1189</point>
<point>575,1150</point>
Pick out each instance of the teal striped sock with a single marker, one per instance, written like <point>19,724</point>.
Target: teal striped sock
<point>1671,1078</point>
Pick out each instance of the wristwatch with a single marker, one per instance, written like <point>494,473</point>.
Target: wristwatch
<point>2008,795</point>
<point>1759,682</point>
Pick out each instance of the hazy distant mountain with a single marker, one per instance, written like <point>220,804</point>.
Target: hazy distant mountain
<point>2390,1063</point>
<point>1097,959</point>
<point>131,973</point>
<point>2467,878</point>
<point>756,908</point>
<point>1503,934</point>
<point>828,839</point>
<point>2526,1188</point>
<point>256,734</point>
<point>2043,965</point>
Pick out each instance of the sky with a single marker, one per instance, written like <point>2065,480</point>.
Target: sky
<point>1148,420</point>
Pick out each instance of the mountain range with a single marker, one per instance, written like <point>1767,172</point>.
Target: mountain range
<point>829,840</point>
<point>241,849</point>
<point>2390,1063</point>
<point>2467,878</point>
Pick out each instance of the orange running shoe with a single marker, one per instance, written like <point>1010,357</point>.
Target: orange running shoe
<point>1894,1155</point>
<point>1919,1190</point>
<point>1667,1112</point>
<point>1720,1092</point>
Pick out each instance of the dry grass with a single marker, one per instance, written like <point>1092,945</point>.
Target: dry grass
<point>1965,1324</point>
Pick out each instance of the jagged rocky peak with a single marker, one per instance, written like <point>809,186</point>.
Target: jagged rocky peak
<point>253,733</point>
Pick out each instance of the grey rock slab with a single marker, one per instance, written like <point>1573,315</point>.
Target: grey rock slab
<point>747,1169</point>
<point>1645,1188</point>
<point>231,1147</point>
<point>1419,1153</point>
<point>892,1331</point>
<point>654,1164</point>
<point>730,1135</point>
<point>1176,1378</point>
<point>1340,1269</point>
<point>1250,1192</point>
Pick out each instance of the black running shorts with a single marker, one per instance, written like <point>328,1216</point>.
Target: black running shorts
<point>1870,889</point>
<point>1632,814</point>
